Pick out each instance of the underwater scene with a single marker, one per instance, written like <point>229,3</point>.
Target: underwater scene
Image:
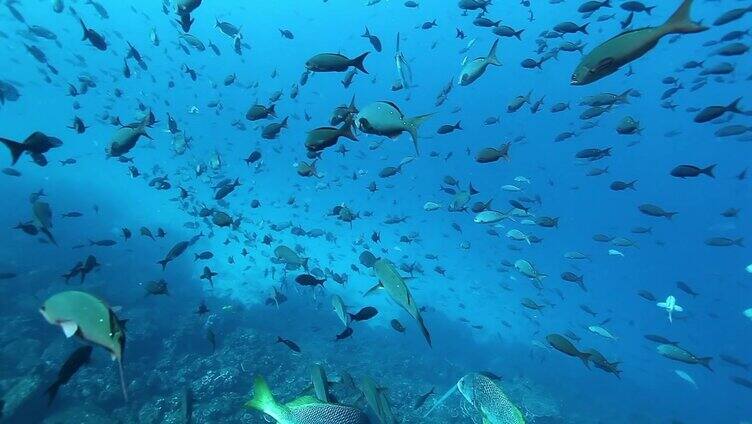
<point>376,211</point>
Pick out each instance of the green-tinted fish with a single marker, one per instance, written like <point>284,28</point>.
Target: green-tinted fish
<point>628,46</point>
<point>563,345</point>
<point>42,214</point>
<point>335,62</point>
<point>602,363</point>
<point>528,270</point>
<point>474,69</point>
<point>377,401</point>
<point>125,139</point>
<point>385,118</point>
<point>491,154</point>
<point>340,309</point>
<point>682,355</point>
<point>320,138</point>
<point>257,111</point>
<point>320,383</point>
<point>392,281</point>
<point>304,410</point>
<point>88,318</point>
<point>291,259</point>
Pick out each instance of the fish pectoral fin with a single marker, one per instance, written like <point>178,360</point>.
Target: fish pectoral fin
<point>604,65</point>
<point>374,289</point>
<point>69,328</point>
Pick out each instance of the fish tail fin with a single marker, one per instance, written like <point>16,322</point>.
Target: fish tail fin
<point>585,358</point>
<point>649,10</point>
<point>164,263</point>
<point>358,62</point>
<point>373,289</point>
<point>145,134</point>
<point>624,97</point>
<point>271,110</point>
<point>412,126</point>
<point>670,215</point>
<point>709,170</point>
<point>263,399</point>
<point>284,122</point>
<point>734,106</point>
<point>583,29</point>
<point>83,25</point>
<point>739,242</point>
<point>51,392</point>
<point>122,379</point>
<point>681,23</point>
<point>366,33</point>
<point>492,59</point>
<point>705,362</point>
<point>16,148</point>
<point>346,131</point>
<point>424,330</point>
<point>518,34</point>
<point>631,184</point>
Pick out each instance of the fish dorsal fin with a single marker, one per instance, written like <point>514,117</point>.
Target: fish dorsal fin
<point>392,104</point>
<point>374,289</point>
<point>69,328</point>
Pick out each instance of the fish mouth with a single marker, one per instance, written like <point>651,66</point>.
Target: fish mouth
<point>574,80</point>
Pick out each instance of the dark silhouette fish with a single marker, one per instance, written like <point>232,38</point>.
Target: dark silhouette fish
<point>36,145</point>
<point>364,314</point>
<point>290,344</point>
<point>75,361</point>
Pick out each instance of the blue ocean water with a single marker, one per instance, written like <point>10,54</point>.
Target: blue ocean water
<point>461,274</point>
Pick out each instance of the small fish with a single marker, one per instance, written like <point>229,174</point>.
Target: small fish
<point>422,398</point>
<point>290,344</point>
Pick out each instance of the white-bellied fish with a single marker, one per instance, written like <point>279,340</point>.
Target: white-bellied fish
<point>90,319</point>
<point>474,69</point>
<point>391,280</point>
<point>386,119</point>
